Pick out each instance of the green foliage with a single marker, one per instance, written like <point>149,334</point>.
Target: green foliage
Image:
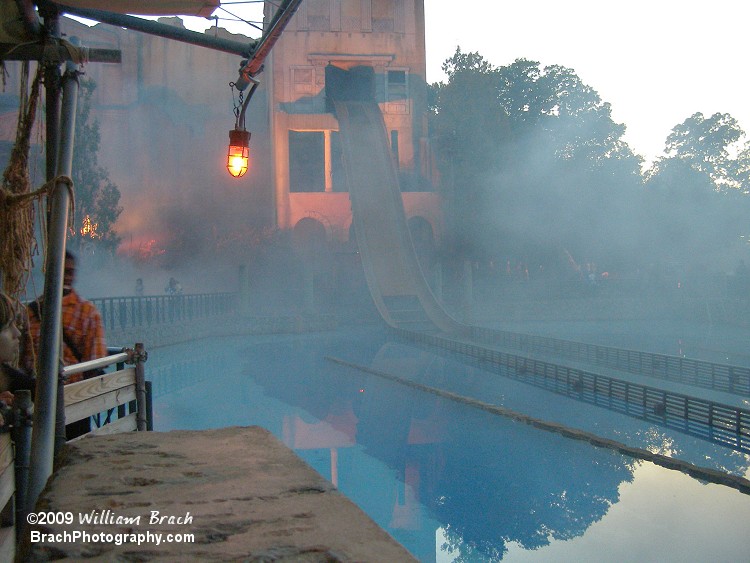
<point>532,157</point>
<point>704,144</point>
<point>742,169</point>
<point>470,129</point>
<point>96,196</point>
<point>534,168</point>
<point>696,189</point>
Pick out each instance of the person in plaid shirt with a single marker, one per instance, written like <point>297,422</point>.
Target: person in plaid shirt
<point>83,330</point>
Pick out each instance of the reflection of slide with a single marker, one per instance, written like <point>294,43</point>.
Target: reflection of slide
<point>396,282</point>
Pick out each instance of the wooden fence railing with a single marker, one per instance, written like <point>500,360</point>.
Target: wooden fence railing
<point>115,402</point>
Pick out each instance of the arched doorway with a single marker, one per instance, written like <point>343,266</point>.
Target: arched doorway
<point>309,237</point>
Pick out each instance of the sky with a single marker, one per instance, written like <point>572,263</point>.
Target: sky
<point>657,62</point>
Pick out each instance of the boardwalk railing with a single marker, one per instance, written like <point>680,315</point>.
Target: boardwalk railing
<point>120,313</point>
<point>699,373</point>
<point>7,491</point>
<point>116,401</point>
<point>713,421</point>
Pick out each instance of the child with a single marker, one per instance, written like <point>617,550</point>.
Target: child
<point>11,378</point>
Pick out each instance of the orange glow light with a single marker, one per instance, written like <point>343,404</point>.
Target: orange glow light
<point>88,228</point>
<point>238,153</point>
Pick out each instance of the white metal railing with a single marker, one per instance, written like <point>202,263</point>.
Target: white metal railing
<point>116,401</point>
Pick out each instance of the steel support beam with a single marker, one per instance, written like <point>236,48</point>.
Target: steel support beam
<point>163,30</point>
<point>57,54</point>
<point>255,64</point>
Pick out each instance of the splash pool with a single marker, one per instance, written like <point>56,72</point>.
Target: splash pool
<point>449,481</point>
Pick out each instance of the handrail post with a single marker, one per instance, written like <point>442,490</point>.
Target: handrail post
<point>139,358</point>
<point>60,434</point>
<point>22,408</point>
<point>149,406</point>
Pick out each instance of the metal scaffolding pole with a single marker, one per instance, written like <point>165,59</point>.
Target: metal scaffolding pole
<point>163,30</point>
<point>43,434</point>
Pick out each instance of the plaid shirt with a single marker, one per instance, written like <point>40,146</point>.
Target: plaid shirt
<point>83,328</point>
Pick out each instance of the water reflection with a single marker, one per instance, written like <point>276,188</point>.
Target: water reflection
<point>418,464</point>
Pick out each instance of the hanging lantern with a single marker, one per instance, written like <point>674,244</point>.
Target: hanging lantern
<point>238,153</point>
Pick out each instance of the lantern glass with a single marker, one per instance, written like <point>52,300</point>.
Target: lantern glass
<point>238,153</point>
<point>237,160</point>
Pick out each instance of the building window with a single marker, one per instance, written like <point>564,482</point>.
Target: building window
<point>318,15</point>
<point>303,79</point>
<point>383,15</point>
<point>316,162</point>
<point>307,161</point>
<point>351,15</point>
<point>396,91</point>
<point>305,86</point>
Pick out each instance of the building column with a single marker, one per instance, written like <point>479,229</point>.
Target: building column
<point>328,167</point>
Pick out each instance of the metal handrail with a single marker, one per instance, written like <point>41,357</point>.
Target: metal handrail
<point>709,420</point>
<point>699,373</point>
<point>120,313</point>
<point>96,364</point>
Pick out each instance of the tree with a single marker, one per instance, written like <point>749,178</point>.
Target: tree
<point>743,169</point>
<point>536,159</point>
<point>470,128</point>
<point>704,143</point>
<point>97,198</point>
<point>696,190</point>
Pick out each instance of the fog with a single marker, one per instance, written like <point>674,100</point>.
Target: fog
<point>537,229</point>
<point>533,227</point>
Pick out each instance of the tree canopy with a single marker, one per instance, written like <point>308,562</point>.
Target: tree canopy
<point>532,157</point>
<point>694,189</point>
<point>536,169</point>
<point>97,198</point>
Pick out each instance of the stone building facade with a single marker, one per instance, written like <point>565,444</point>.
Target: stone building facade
<point>165,111</point>
<point>381,44</point>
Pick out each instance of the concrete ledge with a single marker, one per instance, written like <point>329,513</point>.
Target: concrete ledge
<point>240,491</point>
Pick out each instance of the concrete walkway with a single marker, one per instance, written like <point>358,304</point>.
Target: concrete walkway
<point>239,492</point>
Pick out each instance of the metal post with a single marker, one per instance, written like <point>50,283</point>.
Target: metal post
<point>52,89</point>
<point>42,446</point>
<point>164,30</point>
<point>149,406</point>
<point>140,357</point>
<point>22,408</point>
<point>60,434</point>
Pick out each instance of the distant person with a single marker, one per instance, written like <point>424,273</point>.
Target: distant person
<point>139,287</point>
<point>11,379</point>
<point>82,333</point>
<point>173,287</point>
<point>83,329</point>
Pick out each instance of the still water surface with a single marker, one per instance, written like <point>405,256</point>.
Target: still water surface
<point>449,481</point>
